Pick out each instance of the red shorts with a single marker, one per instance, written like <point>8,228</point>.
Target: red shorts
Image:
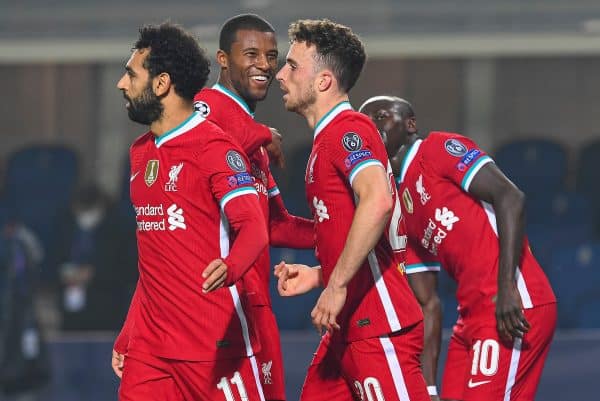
<point>150,378</point>
<point>270,361</point>
<point>480,366</point>
<point>386,367</point>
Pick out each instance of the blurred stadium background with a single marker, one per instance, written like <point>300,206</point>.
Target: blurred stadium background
<point>521,78</point>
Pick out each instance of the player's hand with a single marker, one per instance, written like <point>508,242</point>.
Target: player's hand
<point>274,148</point>
<point>117,363</point>
<point>435,397</point>
<point>296,279</point>
<point>510,320</point>
<point>214,274</point>
<point>328,307</point>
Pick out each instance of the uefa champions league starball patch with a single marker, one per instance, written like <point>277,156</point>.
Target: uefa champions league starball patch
<point>455,147</point>
<point>202,107</point>
<point>351,142</point>
<point>235,161</point>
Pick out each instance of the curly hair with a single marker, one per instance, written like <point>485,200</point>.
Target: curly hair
<point>231,27</point>
<point>337,48</point>
<point>176,52</point>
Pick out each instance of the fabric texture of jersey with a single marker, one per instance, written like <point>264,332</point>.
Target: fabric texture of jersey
<point>379,298</point>
<point>181,184</point>
<point>441,217</point>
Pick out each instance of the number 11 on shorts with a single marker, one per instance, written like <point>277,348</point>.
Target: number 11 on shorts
<point>224,386</point>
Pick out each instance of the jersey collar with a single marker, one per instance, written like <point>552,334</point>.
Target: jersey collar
<point>408,159</point>
<point>234,97</point>
<point>330,115</point>
<point>181,129</point>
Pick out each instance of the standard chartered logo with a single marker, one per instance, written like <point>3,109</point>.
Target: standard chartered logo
<point>320,210</point>
<point>176,219</point>
<point>151,218</point>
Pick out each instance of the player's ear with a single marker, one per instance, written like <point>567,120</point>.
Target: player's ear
<point>411,125</point>
<point>324,80</point>
<point>222,59</point>
<point>161,84</point>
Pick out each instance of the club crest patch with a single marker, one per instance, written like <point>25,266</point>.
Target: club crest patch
<point>455,147</point>
<point>151,173</point>
<point>202,107</point>
<point>235,161</point>
<point>352,142</point>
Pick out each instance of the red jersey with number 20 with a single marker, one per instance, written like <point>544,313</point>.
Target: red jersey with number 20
<point>184,185</point>
<point>447,227</point>
<point>379,299</point>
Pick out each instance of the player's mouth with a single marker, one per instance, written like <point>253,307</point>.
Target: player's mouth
<point>261,79</point>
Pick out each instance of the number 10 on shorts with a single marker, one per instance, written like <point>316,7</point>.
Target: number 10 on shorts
<point>224,386</point>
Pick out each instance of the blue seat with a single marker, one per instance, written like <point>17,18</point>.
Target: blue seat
<point>586,175</point>
<point>535,165</point>
<point>40,182</point>
<point>574,273</point>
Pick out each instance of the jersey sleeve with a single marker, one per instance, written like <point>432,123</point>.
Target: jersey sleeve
<point>233,187</point>
<point>355,148</point>
<point>457,158</point>
<point>419,260</point>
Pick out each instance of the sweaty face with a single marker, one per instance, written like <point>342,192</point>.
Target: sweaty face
<point>389,123</point>
<point>143,106</point>
<point>252,62</point>
<point>297,78</point>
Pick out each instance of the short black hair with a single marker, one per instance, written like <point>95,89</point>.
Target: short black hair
<point>176,52</point>
<point>230,28</point>
<point>337,47</point>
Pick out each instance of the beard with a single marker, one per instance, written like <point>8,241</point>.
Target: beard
<point>146,108</point>
<point>303,102</point>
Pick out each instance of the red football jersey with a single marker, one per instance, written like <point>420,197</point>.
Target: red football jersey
<point>379,299</point>
<point>181,184</point>
<point>224,108</point>
<point>450,228</point>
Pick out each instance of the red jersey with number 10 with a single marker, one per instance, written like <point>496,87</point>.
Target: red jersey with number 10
<point>447,227</point>
<point>379,300</point>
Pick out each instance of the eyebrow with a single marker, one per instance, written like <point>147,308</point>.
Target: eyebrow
<point>130,70</point>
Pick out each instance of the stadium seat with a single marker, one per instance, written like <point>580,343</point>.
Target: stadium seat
<point>535,165</point>
<point>588,164</point>
<point>39,184</point>
<point>574,273</point>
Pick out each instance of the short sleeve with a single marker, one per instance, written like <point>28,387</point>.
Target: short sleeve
<point>354,149</point>
<point>227,170</point>
<point>419,260</point>
<point>457,158</point>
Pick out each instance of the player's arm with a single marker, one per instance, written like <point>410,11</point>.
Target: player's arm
<point>374,206</point>
<point>122,341</point>
<point>260,135</point>
<point>424,286</point>
<point>286,230</point>
<point>492,186</point>
<point>232,186</point>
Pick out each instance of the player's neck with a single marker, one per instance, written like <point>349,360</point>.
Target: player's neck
<point>398,159</point>
<point>321,107</point>
<point>171,118</point>
<point>226,83</point>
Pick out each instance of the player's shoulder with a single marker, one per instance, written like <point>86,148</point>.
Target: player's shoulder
<point>142,141</point>
<point>209,101</point>
<point>351,126</point>
<point>450,142</point>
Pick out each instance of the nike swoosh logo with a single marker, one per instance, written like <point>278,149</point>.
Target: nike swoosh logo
<point>473,384</point>
<point>133,176</point>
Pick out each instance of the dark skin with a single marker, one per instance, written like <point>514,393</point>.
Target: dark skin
<point>397,124</point>
<point>248,70</point>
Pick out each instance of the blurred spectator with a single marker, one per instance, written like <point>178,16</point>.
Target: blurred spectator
<point>24,363</point>
<point>95,259</point>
